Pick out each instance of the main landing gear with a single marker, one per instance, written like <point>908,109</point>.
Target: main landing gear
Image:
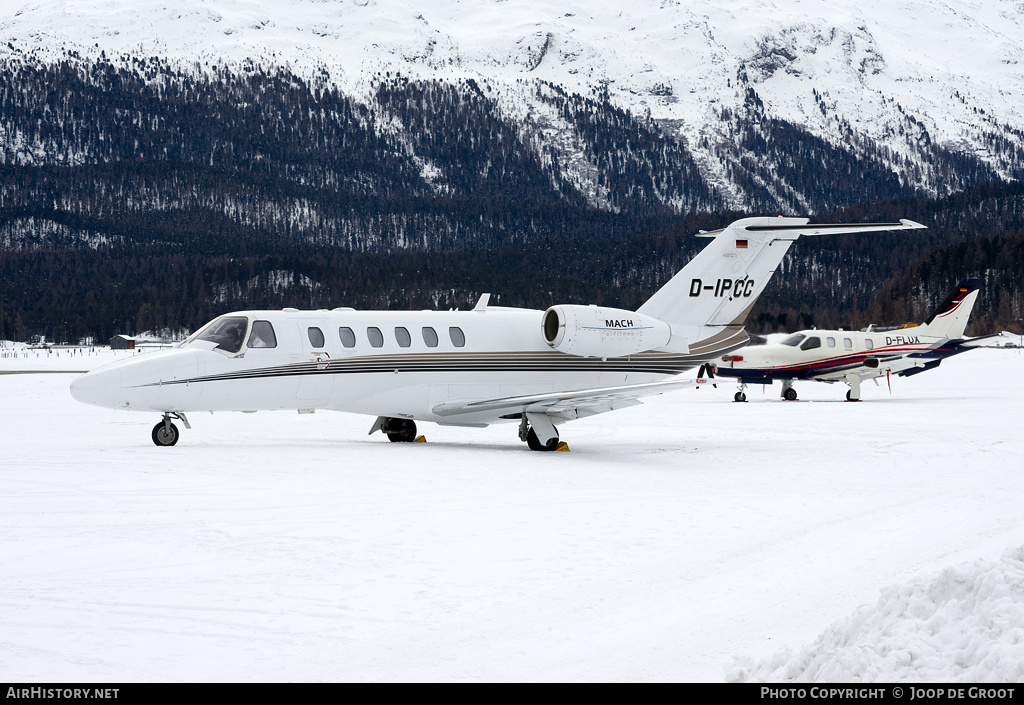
<point>528,433</point>
<point>740,395</point>
<point>853,393</point>
<point>401,430</point>
<point>166,433</point>
<point>398,430</point>
<point>788,393</point>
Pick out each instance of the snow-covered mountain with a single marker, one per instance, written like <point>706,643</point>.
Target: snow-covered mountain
<point>913,84</point>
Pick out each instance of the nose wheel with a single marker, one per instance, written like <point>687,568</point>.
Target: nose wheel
<point>166,433</point>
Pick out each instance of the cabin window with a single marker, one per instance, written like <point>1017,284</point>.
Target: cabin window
<point>848,343</point>
<point>375,337</point>
<point>831,342</point>
<point>316,336</point>
<point>348,337</point>
<point>403,337</point>
<point>457,336</point>
<point>430,337</point>
<point>869,343</point>
<point>811,343</point>
<point>794,340</point>
<point>262,335</point>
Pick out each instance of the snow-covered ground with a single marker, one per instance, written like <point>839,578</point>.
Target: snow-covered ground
<point>688,539</point>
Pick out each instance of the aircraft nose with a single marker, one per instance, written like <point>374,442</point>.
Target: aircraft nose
<point>99,388</point>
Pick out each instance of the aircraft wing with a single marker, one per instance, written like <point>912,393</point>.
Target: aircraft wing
<point>565,404</point>
<point>889,363</point>
<point>987,340</point>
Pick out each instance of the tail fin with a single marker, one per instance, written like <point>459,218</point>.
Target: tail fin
<point>708,301</point>
<point>949,320</point>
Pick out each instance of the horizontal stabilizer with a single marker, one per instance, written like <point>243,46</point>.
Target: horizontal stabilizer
<point>707,302</point>
<point>993,340</point>
<point>785,225</point>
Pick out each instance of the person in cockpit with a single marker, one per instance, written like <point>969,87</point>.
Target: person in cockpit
<point>234,342</point>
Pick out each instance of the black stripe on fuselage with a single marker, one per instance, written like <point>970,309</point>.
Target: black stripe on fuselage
<point>647,363</point>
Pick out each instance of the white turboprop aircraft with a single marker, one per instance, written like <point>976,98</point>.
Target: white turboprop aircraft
<point>852,356</point>
<point>464,368</point>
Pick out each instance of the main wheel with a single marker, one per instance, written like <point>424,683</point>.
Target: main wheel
<point>534,443</point>
<point>739,396</point>
<point>165,434</point>
<point>401,430</point>
<point>789,394</point>
<point>849,395</point>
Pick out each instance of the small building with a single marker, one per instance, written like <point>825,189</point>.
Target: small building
<point>122,342</point>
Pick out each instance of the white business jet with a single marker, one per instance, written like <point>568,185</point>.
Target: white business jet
<point>852,356</point>
<point>470,368</point>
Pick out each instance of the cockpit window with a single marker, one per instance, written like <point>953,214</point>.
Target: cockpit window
<point>811,343</point>
<point>794,340</point>
<point>262,335</point>
<point>227,332</point>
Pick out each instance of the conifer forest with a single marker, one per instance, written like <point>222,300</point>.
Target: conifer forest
<point>139,197</point>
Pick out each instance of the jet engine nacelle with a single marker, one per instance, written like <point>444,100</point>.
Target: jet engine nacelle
<point>595,331</point>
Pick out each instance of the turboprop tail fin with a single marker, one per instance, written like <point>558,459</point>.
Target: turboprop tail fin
<point>707,302</point>
<point>949,320</point>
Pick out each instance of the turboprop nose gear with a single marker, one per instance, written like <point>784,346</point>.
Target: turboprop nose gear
<point>166,433</point>
<point>740,395</point>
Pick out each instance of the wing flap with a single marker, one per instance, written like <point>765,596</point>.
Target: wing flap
<point>585,402</point>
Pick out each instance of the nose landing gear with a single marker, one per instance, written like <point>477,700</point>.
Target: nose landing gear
<point>166,433</point>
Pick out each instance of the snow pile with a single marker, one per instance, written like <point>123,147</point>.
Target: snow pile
<point>967,625</point>
<point>675,536</point>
